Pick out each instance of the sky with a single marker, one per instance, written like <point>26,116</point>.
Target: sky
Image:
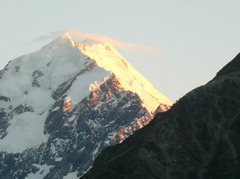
<point>192,40</point>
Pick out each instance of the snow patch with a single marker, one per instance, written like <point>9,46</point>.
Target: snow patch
<point>95,151</point>
<point>82,149</point>
<point>72,175</point>
<point>57,159</point>
<point>107,142</point>
<point>25,131</point>
<point>112,135</point>
<point>81,85</point>
<point>42,172</point>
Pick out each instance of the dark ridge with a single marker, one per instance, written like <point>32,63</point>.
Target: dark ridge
<point>199,137</point>
<point>231,67</point>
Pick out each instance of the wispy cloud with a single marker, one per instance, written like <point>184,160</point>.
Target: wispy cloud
<point>52,35</point>
<point>153,51</point>
<point>101,38</point>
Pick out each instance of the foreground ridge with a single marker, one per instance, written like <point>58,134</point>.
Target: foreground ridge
<point>197,138</point>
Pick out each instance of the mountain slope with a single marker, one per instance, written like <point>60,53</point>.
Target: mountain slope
<point>197,138</point>
<point>60,106</point>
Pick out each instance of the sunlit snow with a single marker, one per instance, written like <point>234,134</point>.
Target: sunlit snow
<point>109,59</point>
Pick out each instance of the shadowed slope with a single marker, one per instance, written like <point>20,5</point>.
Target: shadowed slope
<point>198,138</point>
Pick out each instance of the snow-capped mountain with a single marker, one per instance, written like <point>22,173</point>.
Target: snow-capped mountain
<point>60,106</point>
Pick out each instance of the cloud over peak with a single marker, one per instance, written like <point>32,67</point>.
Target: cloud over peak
<point>153,51</point>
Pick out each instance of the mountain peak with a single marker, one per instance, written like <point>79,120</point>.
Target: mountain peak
<point>67,35</point>
<point>85,42</point>
<point>108,58</point>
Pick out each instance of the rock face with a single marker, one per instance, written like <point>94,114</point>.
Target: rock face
<point>199,137</point>
<point>62,105</point>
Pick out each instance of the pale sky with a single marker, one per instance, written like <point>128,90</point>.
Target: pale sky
<point>194,38</point>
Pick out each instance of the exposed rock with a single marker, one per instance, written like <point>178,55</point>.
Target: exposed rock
<point>199,137</point>
<point>3,123</point>
<point>2,72</point>
<point>17,68</point>
<point>36,75</point>
<point>5,99</point>
<point>20,109</point>
<point>67,104</point>
<point>162,108</point>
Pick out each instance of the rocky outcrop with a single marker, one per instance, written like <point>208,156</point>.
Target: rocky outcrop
<point>197,138</point>
<point>4,70</point>
<point>36,75</point>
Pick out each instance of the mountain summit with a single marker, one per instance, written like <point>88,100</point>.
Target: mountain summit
<point>62,105</point>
